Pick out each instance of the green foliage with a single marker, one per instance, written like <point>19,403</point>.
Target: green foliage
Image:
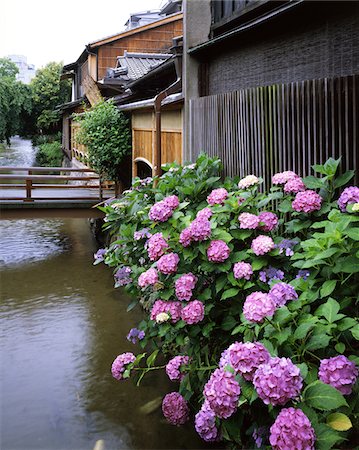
<point>106,133</point>
<point>49,154</point>
<point>321,323</point>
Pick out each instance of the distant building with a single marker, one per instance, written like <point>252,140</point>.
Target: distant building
<point>26,71</point>
<point>144,18</point>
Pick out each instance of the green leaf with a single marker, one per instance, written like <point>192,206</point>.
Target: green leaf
<point>238,329</point>
<point>347,265</point>
<point>325,436</point>
<point>303,369</point>
<point>323,396</point>
<point>346,323</point>
<point>151,359</point>
<point>331,166</point>
<point>329,310</point>
<point>258,263</point>
<point>282,315</point>
<point>229,323</point>
<point>222,234</point>
<point>353,233</point>
<point>229,293</point>
<point>221,282</point>
<point>340,347</point>
<point>241,234</point>
<point>318,341</point>
<point>302,330</point>
<point>355,332</point>
<point>313,182</point>
<point>339,422</point>
<point>327,288</point>
<point>343,179</point>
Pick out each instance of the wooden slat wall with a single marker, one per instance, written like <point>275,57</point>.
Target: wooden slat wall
<point>268,129</point>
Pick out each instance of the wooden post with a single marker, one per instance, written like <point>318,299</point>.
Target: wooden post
<point>28,191</point>
<point>100,188</point>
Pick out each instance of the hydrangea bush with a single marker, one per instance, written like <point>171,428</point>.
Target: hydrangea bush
<point>251,297</point>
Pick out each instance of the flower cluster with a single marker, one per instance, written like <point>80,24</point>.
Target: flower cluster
<point>184,286</point>
<point>156,246</point>
<point>120,363</point>
<point>292,430</point>
<point>286,246</point>
<point>348,196</point>
<point>248,181</point>
<point>171,201</point>
<point>271,273</point>
<point>173,309</point>
<point>307,201</point>
<point>283,177</point>
<point>282,292</point>
<point>163,210</point>
<point>205,213</point>
<point>141,234</point>
<point>148,278</point>
<point>218,251</point>
<point>99,255</point>
<point>262,245</point>
<point>167,264</point>
<point>185,237</point>
<point>267,221</point>
<point>122,276</point>
<point>257,306</point>
<point>242,270</point>
<point>205,423</point>
<point>222,392</point>
<point>200,229</point>
<point>175,408</point>
<point>173,367</point>
<point>245,358</point>
<point>339,372</point>
<point>193,312</point>
<point>278,381</point>
<point>217,196</point>
<point>248,221</point>
<point>135,335</point>
<point>294,186</point>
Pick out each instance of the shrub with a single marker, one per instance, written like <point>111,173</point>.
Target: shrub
<point>49,154</point>
<point>264,309</point>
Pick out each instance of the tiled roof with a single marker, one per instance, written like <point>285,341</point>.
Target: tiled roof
<point>132,66</point>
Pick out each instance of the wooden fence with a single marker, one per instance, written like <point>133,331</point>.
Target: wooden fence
<point>268,129</point>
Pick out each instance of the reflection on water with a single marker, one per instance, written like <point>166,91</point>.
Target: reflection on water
<point>61,325</point>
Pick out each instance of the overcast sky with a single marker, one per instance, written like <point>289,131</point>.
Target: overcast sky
<point>58,30</point>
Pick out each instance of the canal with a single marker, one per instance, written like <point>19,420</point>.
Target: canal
<point>61,325</point>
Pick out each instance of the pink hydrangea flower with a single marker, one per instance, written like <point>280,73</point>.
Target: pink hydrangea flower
<point>339,372</point>
<point>204,213</point>
<point>294,186</point>
<point>193,312</point>
<point>282,292</point>
<point>224,361</point>
<point>292,430</point>
<point>217,196</point>
<point>257,306</point>
<point>185,237</point>
<point>160,212</point>
<point>200,229</point>
<point>175,409</point>
<point>307,201</point>
<point>172,308</point>
<point>218,251</point>
<point>173,367</point>
<point>283,177</point>
<point>184,286</point>
<point>171,201</point>
<point>262,245</point>
<point>156,246</point>
<point>245,358</point>
<point>246,182</point>
<point>205,423</point>
<point>348,196</point>
<point>269,220</point>
<point>120,363</point>
<point>242,270</point>
<point>167,264</point>
<point>148,278</point>
<point>248,221</point>
<point>278,381</point>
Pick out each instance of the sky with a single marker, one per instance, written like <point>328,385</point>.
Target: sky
<point>58,30</point>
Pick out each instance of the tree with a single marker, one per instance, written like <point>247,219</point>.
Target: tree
<point>49,91</point>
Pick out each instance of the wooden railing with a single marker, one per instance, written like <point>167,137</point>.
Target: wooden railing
<point>39,178</point>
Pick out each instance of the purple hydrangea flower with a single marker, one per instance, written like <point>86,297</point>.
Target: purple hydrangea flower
<point>259,435</point>
<point>218,251</point>
<point>135,335</point>
<point>283,177</point>
<point>184,286</point>
<point>120,363</point>
<point>141,234</point>
<point>339,372</point>
<point>282,292</point>
<point>294,186</point>
<point>205,213</point>
<point>171,201</point>
<point>173,367</point>
<point>99,255</point>
<point>245,358</point>
<point>269,221</point>
<point>292,430</point>
<point>160,212</point>
<point>348,196</point>
<point>242,270</point>
<point>200,229</point>
<point>257,306</point>
<point>156,246</point>
<point>148,278</point>
<point>122,276</point>
<point>222,392</point>
<point>217,196</point>
<point>307,201</point>
<point>303,273</point>
<point>205,423</point>
<point>193,312</point>
<point>271,273</point>
<point>224,361</point>
<point>278,381</point>
<point>175,409</point>
<point>286,246</point>
<point>167,264</point>
<point>262,245</point>
<point>172,308</point>
<point>248,221</point>
<point>185,237</point>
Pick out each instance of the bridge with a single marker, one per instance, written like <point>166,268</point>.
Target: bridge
<point>51,187</point>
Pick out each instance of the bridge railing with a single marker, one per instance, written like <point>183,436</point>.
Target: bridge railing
<point>39,178</point>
